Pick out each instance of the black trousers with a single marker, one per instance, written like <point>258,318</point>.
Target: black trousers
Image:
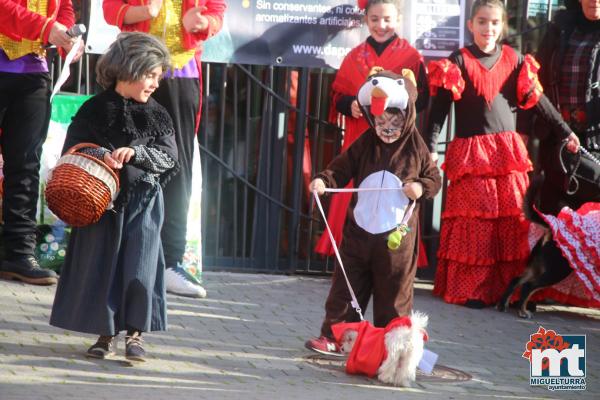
<point>181,98</point>
<point>24,118</point>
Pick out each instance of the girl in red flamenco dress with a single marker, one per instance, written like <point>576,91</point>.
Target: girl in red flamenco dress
<point>483,242</point>
<point>383,49</point>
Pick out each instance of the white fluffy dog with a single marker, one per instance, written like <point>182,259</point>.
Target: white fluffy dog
<point>404,347</point>
<point>348,341</point>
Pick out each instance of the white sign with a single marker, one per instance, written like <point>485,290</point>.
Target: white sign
<point>437,26</point>
<point>536,7</point>
<point>100,34</point>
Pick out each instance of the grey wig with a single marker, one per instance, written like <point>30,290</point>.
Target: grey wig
<point>131,56</point>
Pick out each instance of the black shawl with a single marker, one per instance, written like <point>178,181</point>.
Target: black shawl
<point>112,121</point>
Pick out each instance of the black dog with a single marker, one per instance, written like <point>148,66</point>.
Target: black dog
<point>546,265</point>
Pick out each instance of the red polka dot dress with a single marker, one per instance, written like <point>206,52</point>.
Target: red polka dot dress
<point>483,243</point>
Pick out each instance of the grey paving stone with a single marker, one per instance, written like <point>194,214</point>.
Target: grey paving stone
<point>246,341</point>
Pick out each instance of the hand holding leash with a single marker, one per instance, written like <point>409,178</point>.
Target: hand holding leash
<point>413,190</point>
<point>318,186</point>
<point>572,143</point>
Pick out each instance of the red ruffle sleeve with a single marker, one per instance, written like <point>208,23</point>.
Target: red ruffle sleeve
<point>529,88</point>
<point>445,74</point>
<point>114,14</point>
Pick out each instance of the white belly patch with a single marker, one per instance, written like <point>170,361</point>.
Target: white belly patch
<point>380,211</point>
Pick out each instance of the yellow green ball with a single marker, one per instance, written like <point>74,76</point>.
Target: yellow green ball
<point>394,240</point>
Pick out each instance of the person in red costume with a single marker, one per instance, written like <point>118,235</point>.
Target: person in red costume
<point>26,28</point>
<point>180,94</point>
<point>483,243</point>
<point>386,50</point>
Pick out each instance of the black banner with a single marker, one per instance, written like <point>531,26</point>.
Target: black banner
<point>310,33</point>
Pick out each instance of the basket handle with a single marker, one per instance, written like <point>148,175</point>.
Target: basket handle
<point>78,146</point>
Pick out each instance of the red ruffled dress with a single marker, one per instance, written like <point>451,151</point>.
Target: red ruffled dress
<point>353,72</point>
<point>577,234</point>
<point>483,242</point>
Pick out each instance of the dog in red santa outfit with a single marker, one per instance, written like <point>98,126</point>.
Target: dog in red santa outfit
<point>391,353</point>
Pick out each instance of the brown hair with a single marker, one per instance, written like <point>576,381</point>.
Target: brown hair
<point>396,3</point>
<point>478,4</point>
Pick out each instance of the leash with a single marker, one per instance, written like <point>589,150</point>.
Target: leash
<point>573,182</point>
<point>590,155</point>
<point>407,215</point>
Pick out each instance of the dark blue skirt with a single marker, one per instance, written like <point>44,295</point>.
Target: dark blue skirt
<point>113,276</point>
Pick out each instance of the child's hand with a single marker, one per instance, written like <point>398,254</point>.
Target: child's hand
<point>356,113</point>
<point>117,158</point>
<point>572,143</point>
<point>111,162</point>
<point>123,154</point>
<point>413,190</point>
<point>317,185</point>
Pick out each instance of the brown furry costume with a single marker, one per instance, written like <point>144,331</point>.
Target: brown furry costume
<point>371,266</point>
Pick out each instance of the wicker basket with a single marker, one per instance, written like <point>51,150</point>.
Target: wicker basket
<point>80,187</point>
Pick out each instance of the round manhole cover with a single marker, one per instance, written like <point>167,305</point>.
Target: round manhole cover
<point>440,373</point>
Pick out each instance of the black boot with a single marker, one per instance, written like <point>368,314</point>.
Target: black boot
<point>104,347</point>
<point>27,270</point>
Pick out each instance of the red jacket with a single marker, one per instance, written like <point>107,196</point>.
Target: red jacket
<point>369,350</point>
<point>114,13</point>
<point>17,22</point>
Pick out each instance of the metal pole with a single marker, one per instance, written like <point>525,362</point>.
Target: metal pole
<point>206,171</point>
<point>88,90</point>
<point>299,133</point>
<point>235,164</point>
<point>78,76</point>
<point>267,119</point>
<point>223,111</point>
<point>314,135</point>
<point>246,254</point>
